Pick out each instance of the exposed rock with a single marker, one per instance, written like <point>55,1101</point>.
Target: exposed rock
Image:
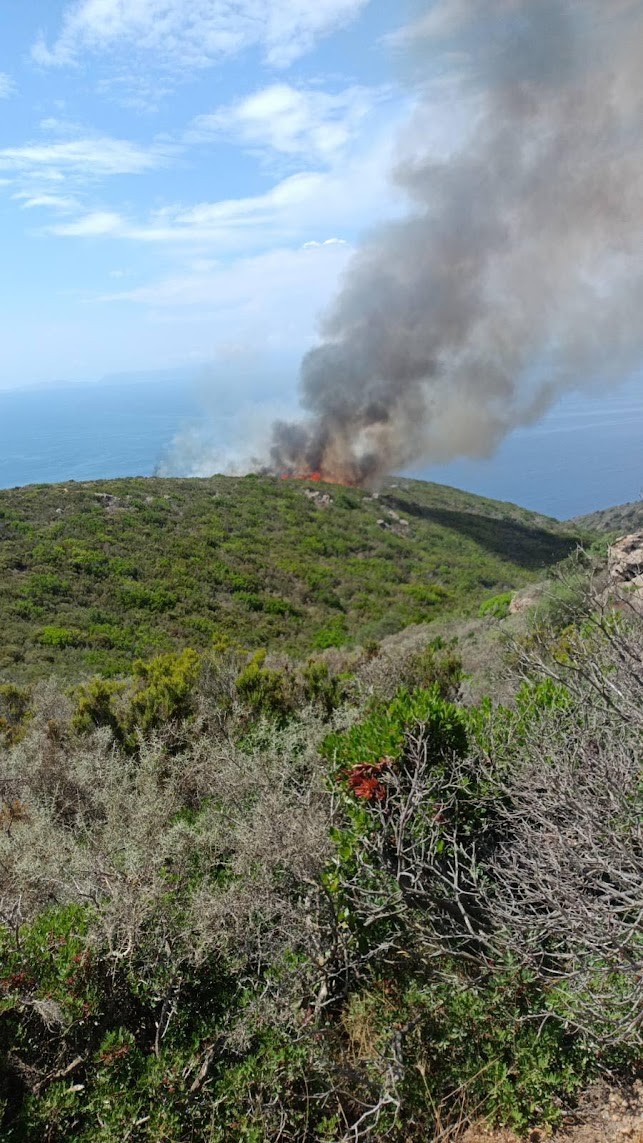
<point>110,503</point>
<point>320,499</point>
<point>398,519</point>
<point>397,526</point>
<point>625,561</point>
<point>625,573</point>
<point>603,1117</point>
<point>527,598</point>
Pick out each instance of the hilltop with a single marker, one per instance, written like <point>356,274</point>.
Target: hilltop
<point>98,574</point>
<point>623,518</point>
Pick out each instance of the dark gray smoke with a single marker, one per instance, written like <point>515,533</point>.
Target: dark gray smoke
<point>519,272</point>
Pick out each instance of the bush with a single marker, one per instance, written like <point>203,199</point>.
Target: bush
<point>154,599</point>
<point>165,690</point>
<point>497,607</point>
<point>267,692</point>
<point>95,707</point>
<point>14,712</point>
<point>294,918</point>
<point>59,637</point>
<point>43,587</point>
<point>436,665</point>
<point>383,732</point>
<point>333,635</point>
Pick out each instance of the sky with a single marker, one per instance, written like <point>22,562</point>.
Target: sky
<point>182,183</point>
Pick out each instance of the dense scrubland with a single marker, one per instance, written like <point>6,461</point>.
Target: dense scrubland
<point>329,895</point>
<point>97,575</point>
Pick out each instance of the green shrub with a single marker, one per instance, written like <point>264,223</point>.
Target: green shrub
<point>165,689</point>
<point>437,664</point>
<point>275,606</point>
<point>43,587</point>
<point>265,691</point>
<point>333,635</point>
<point>428,595</point>
<point>88,561</point>
<point>473,1049</point>
<point>382,733</point>
<point>59,637</point>
<point>497,607</point>
<point>14,712</point>
<point>252,600</point>
<point>154,599</point>
<point>322,688</point>
<point>95,707</point>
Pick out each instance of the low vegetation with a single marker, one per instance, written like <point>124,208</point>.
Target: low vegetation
<point>622,519</point>
<point>97,576</point>
<point>250,897</point>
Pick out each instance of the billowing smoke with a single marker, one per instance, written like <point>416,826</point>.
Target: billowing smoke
<point>518,273</point>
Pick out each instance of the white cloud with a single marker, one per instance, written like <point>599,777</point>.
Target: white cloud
<point>63,203</point>
<point>327,242</point>
<point>98,224</point>
<point>7,86</point>
<point>195,34</point>
<point>347,198</point>
<point>89,156</point>
<point>291,121</point>
<point>254,284</point>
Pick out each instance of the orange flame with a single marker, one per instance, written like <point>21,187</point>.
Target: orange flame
<point>327,476</point>
<point>316,476</point>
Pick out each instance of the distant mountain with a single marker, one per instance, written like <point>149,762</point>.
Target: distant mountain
<point>97,574</point>
<point>623,519</point>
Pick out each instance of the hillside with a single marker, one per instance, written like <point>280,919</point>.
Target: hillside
<point>622,519</point>
<point>97,574</point>
<point>337,901</point>
<point>313,898</point>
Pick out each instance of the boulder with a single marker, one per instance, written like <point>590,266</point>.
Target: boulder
<point>320,499</point>
<point>625,570</point>
<point>625,561</point>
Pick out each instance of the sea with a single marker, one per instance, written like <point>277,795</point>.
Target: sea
<point>585,454</point>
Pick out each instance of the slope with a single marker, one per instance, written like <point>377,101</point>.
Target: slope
<point>95,575</point>
<point>622,519</point>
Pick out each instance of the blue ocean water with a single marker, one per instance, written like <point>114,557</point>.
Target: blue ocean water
<point>89,432</point>
<point>585,454</point>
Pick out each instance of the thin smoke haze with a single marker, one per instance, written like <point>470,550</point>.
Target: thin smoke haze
<point>517,273</point>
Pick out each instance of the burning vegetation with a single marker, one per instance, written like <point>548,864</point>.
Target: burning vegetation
<point>517,273</point>
<point>314,476</point>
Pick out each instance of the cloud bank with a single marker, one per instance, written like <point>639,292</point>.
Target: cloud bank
<point>196,34</point>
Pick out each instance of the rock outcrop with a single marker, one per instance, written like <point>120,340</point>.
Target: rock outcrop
<point>625,568</point>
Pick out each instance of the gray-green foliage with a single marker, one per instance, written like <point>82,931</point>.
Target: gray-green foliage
<point>289,904</point>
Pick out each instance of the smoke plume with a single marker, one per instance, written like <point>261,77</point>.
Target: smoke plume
<point>518,272</point>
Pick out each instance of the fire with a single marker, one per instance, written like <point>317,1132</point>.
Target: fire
<point>316,476</point>
<point>325,475</point>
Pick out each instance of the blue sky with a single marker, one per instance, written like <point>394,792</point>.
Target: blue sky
<point>182,183</point>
